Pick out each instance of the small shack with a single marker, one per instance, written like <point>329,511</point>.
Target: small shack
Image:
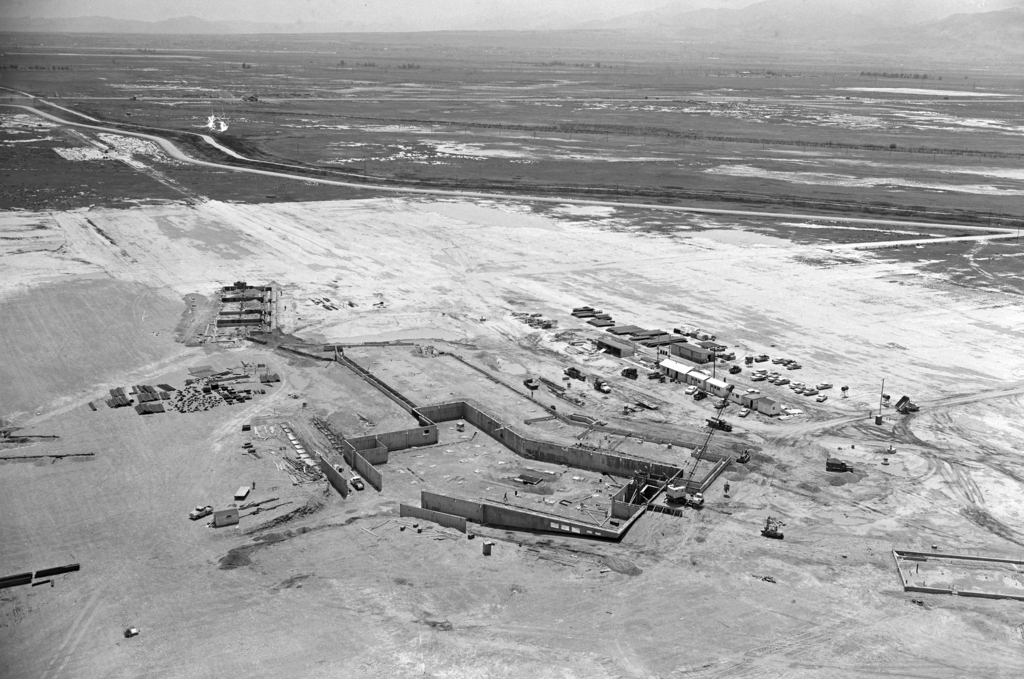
<point>225,517</point>
<point>242,493</point>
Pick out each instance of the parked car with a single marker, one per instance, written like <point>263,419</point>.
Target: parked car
<point>691,390</point>
<point>821,398</point>
<point>811,391</point>
<point>776,361</point>
<point>762,358</point>
<point>793,366</point>
<point>758,378</point>
<point>744,412</point>
<point>700,396</point>
<point>799,390</point>
<point>753,391</point>
<point>782,380</point>
<point>824,385</point>
<point>357,482</point>
<point>200,512</point>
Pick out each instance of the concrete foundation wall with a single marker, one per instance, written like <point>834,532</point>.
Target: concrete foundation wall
<point>512,517</point>
<point>334,477</point>
<point>622,509</point>
<point>473,511</point>
<point>366,470</point>
<point>448,520</point>
<point>445,412</point>
<point>409,438</point>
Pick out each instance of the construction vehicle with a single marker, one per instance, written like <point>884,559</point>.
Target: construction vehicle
<point>835,465</point>
<point>678,493</point>
<point>200,512</point>
<point>749,360</point>
<point>602,386</point>
<point>720,424</point>
<point>576,374</point>
<point>744,457</point>
<point>629,373</point>
<point>905,406</point>
<point>531,384</point>
<point>735,370</point>
<point>773,529</point>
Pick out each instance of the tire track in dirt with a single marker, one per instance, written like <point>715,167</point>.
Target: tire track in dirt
<point>73,637</point>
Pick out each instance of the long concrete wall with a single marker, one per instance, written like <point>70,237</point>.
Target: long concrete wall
<point>409,438</point>
<point>489,514</point>
<point>448,520</point>
<point>334,477</point>
<point>452,505</point>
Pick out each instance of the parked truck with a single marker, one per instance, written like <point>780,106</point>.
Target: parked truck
<point>679,495</point>
<point>575,373</point>
<point>835,465</point>
<point>602,386</point>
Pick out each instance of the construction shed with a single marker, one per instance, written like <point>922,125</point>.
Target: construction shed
<point>692,353</point>
<point>615,347</point>
<point>225,517</point>
<point>767,406</point>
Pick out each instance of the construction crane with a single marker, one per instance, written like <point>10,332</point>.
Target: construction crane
<point>680,493</point>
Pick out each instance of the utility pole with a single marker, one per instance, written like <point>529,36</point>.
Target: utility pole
<point>881,397</point>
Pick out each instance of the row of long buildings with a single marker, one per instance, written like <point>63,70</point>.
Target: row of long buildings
<point>682,373</point>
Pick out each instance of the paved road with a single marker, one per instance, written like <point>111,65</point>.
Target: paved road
<point>177,154</point>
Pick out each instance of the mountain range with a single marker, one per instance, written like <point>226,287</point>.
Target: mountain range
<point>959,26</point>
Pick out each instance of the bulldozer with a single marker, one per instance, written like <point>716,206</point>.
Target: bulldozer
<point>772,529</point>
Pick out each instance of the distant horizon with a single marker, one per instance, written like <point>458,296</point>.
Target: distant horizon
<point>469,15</point>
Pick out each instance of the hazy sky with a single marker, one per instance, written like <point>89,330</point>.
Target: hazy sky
<point>428,12</point>
<point>448,14</point>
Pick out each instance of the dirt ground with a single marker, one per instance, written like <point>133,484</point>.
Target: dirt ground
<point>93,296</point>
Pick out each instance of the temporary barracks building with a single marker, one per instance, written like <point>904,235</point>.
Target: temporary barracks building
<point>717,387</point>
<point>757,402</point>
<point>692,353</point>
<point>615,347</point>
<point>674,370</point>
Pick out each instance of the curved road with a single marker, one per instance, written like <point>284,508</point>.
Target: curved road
<point>174,152</point>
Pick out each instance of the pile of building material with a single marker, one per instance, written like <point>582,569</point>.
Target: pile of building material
<point>298,472</point>
<point>118,398</point>
<point>195,397</point>
<point>535,320</point>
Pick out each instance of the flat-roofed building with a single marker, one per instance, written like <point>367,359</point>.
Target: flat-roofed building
<point>691,353</point>
<point>616,347</point>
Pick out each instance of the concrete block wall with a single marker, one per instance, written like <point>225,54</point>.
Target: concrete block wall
<point>334,477</point>
<point>440,518</point>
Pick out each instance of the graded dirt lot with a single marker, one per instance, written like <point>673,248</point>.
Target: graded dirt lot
<point>429,292</point>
